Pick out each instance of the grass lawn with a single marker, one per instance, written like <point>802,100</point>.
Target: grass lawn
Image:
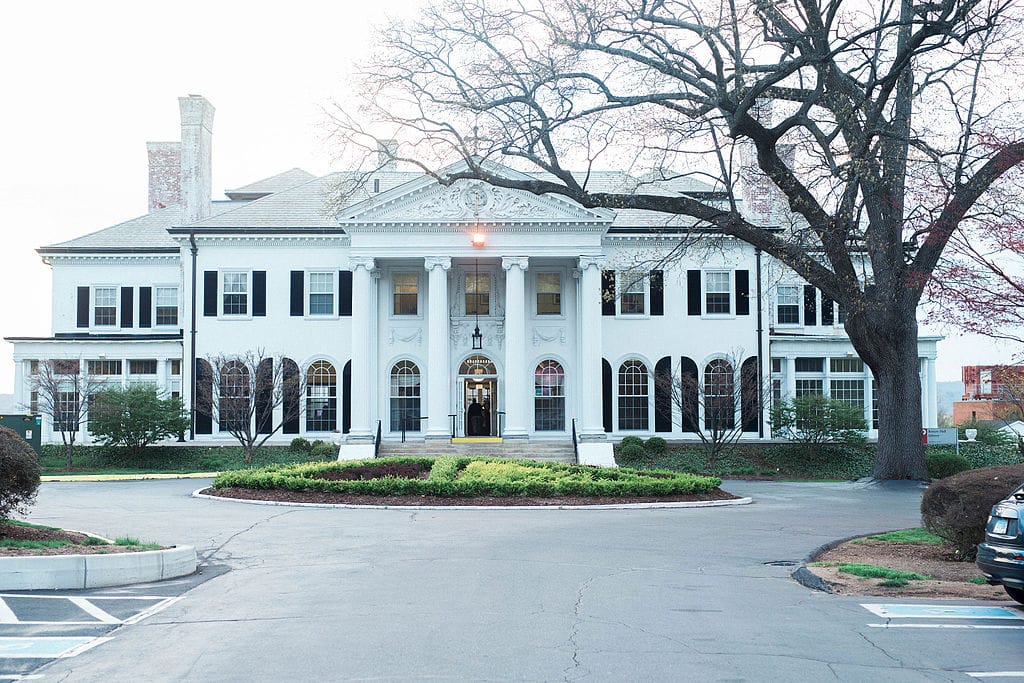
<point>164,459</point>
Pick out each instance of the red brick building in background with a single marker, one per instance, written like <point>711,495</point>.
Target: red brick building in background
<point>991,392</point>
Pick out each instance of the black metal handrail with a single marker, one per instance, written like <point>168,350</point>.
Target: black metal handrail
<point>452,417</point>
<point>407,420</point>
<point>575,443</point>
<point>501,422</point>
<point>376,441</point>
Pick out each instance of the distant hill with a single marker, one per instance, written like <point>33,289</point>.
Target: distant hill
<point>7,404</point>
<point>946,394</point>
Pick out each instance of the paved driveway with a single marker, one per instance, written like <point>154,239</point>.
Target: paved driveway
<point>538,595</point>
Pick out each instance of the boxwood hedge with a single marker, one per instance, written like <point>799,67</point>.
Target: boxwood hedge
<point>475,476</point>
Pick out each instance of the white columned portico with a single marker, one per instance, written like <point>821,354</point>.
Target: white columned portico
<point>590,389</point>
<point>515,345</point>
<point>363,341</point>
<point>438,370</point>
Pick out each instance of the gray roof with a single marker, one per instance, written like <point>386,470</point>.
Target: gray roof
<point>275,183</point>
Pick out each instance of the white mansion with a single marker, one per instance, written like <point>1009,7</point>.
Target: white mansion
<point>438,310</point>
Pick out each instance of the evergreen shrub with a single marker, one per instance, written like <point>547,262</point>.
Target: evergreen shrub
<point>945,464</point>
<point>19,473</point>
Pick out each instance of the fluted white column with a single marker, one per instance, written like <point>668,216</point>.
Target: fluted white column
<point>362,336</point>
<point>438,370</point>
<point>789,387</point>
<point>589,335</point>
<point>931,408</point>
<point>515,346</point>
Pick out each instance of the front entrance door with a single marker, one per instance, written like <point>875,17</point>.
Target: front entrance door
<point>479,406</point>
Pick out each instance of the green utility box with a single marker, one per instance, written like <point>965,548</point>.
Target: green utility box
<point>27,426</point>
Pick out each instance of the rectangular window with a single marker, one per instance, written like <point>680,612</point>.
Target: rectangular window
<point>478,294</point>
<point>631,299</point>
<point>810,387</point>
<point>142,367</point>
<point>66,366</point>
<point>874,404</point>
<point>175,367</point>
<point>776,365</point>
<point>776,392</point>
<point>104,306</point>
<point>321,293</point>
<point>406,294</point>
<point>236,293</point>
<point>788,305</point>
<point>716,292</point>
<point>33,367</point>
<point>846,365</point>
<point>810,365</point>
<point>66,417</point>
<point>103,367</point>
<point>849,391</point>
<point>549,294</point>
<point>166,305</point>
<point>33,402</point>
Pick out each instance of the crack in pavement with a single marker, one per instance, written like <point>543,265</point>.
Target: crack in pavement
<point>210,554</point>
<point>879,647</point>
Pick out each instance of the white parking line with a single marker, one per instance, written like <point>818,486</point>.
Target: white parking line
<point>94,611</point>
<point>996,627</point>
<point>150,611</point>
<point>943,612</point>
<point>996,674</point>
<point>7,615</point>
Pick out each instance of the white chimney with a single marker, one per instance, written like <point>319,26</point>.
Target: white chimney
<point>387,150</point>
<point>196,144</point>
<point>164,174</point>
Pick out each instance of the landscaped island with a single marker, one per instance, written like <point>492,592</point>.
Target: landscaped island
<point>448,480</point>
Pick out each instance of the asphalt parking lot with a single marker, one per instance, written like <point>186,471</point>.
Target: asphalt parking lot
<point>536,595</point>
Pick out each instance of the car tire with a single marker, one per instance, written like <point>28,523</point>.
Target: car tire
<point>1015,593</point>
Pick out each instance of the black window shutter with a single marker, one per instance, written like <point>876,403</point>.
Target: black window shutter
<point>298,295</point>
<point>210,293</point>
<point>127,306</point>
<point>750,406</point>
<point>693,292</point>
<point>827,311</point>
<point>145,306</point>
<point>83,307</point>
<point>346,398</point>
<point>607,292</point>
<point>606,394</point>
<point>742,292</point>
<point>688,395</point>
<point>259,293</point>
<point>290,401</point>
<point>204,396</point>
<point>265,396</point>
<point>810,305</point>
<point>345,293</point>
<point>657,293</point>
<point>663,395</point>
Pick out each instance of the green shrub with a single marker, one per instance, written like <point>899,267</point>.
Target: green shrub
<point>444,468</point>
<point>321,450</point>
<point>627,440</point>
<point>19,473</point>
<point>988,433</point>
<point>300,444</point>
<point>135,416</point>
<point>632,451</point>
<point>656,445</point>
<point>957,507</point>
<point>817,419</point>
<point>944,464</point>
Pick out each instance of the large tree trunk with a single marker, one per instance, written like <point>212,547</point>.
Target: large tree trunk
<point>885,336</point>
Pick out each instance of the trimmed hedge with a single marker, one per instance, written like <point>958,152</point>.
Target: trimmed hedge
<point>942,465</point>
<point>476,476</point>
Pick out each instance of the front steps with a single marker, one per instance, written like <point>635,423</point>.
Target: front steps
<point>550,451</point>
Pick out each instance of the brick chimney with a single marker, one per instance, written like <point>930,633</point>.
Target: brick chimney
<point>196,145</point>
<point>164,174</point>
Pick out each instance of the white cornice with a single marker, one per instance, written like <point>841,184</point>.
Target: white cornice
<point>83,259</point>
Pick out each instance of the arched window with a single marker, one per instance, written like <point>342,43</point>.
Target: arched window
<point>719,396</point>
<point>235,397</point>
<point>633,392</point>
<point>321,397</point>
<point>405,397</point>
<point>549,397</point>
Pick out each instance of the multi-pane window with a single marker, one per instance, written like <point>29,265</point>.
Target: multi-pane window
<point>478,294</point>
<point>719,396</point>
<point>549,397</point>
<point>166,305</point>
<point>65,366</point>
<point>175,367</point>
<point>65,418</point>
<point>321,397</point>
<point>321,293</point>
<point>549,294</point>
<point>235,397</point>
<point>849,391</point>
<point>874,404</point>
<point>631,298</point>
<point>788,312</point>
<point>406,293</point>
<point>846,365</point>
<point>104,306</point>
<point>633,393</point>
<point>810,387</point>
<point>142,367</point>
<point>405,397</point>
<point>809,364</point>
<point>103,367</point>
<point>236,293</point>
<point>717,291</point>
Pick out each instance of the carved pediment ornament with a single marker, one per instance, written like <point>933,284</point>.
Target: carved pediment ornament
<point>548,334</point>
<point>405,335</point>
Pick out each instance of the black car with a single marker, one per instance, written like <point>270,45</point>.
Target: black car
<point>1001,556</point>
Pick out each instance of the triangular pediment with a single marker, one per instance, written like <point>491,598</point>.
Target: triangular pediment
<point>425,201</point>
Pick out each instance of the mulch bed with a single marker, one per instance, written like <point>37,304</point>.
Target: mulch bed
<point>288,496</point>
<point>76,542</point>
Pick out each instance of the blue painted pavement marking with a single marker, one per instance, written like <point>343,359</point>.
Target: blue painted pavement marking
<point>46,647</point>
<point>943,612</point>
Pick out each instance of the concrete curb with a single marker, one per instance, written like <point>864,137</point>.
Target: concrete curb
<point>805,577</point>
<point>198,493</point>
<point>49,572</point>
<point>128,477</point>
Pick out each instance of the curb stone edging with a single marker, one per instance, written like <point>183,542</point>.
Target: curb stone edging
<point>808,579</point>
<point>49,572</point>
<point>198,493</point>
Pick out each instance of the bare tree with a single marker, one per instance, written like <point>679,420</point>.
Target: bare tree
<point>717,403</point>
<point>62,391</point>
<point>245,392</point>
<point>889,121</point>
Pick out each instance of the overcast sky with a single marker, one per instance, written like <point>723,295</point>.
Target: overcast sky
<point>86,84</point>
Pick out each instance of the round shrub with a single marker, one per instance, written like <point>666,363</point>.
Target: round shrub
<point>941,465</point>
<point>656,445</point>
<point>631,441</point>
<point>956,508</point>
<point>19,473</point>
<point>324,451</point>
<point>300,444</point>
<point>632,451</point>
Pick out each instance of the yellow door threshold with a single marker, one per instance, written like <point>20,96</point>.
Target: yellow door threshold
<point>477,439</point>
